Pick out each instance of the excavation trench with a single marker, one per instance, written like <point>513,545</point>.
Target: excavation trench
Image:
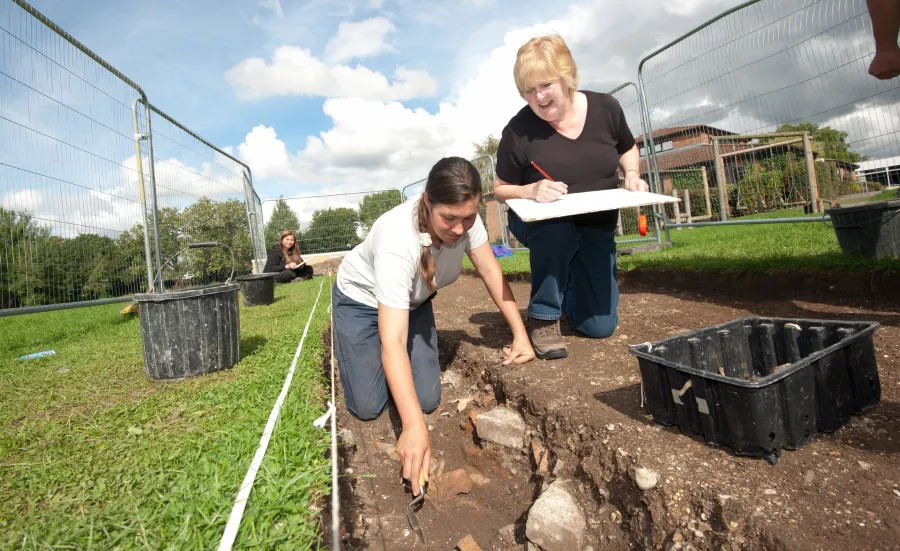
<point>586,432</point>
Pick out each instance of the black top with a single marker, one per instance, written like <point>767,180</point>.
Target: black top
<point>276,261</point>
<point>586,163</point>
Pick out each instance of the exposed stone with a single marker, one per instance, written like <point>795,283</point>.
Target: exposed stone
<point>502,426</point>
<point>450,484</point>
<point>388,449</point>
<point>508,533</point>
<point>453,378</point>
<point>556,521</point>
<point>479,479</point>
<point>463,404</point>
<point>468,544</point>
<point>346,437</point>
<point>645,479</point>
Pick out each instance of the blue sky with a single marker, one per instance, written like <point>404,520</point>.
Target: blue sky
<point>328,96</point>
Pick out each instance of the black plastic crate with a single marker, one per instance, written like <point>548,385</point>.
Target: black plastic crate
<point>760,385</point>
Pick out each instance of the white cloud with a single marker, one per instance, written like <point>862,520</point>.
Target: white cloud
<point>376,4</point>
<point>23,200</point>
<point>295,71</point>
<point>690,7</point>
<point>374,144</point>
<point>359,39</point>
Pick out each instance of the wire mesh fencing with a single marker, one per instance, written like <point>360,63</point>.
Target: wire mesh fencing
<point>71,205</point>
<point>326,224</point>
<point>773,67</point>
<point>627,230</point>
<point>81,221</point>
<point>201,196</point>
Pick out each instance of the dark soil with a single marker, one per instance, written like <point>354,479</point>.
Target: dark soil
<point>839,492</point>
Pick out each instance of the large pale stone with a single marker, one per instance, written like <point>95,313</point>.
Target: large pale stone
<point>556,521</point>
<point>502,426</point>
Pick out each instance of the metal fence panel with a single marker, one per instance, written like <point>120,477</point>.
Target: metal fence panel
<point>773,66</point>
<point>201,195</point>
<point>71,209</point>
<point>627,231</point>
<point>78,174</point>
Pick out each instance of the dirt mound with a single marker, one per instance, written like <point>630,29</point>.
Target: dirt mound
<point>327,267</point>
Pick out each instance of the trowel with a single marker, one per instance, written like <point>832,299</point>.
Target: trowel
<point>411,508</point>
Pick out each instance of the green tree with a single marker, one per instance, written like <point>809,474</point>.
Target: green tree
<point>487,146</point>
<point>24,242</point>
<point>826,141</point>
<point>283,218</point>
<point>91,267</point>
<point>331,230</point>
<point>225,222</point>
<point>374,205</point>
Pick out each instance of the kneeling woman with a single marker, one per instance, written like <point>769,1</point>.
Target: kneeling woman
<point>385,337</point>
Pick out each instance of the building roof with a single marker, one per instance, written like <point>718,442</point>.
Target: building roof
<point>839,162</point>
<point>693,155</point>
<point>690,129</point>
<point>879,164</point>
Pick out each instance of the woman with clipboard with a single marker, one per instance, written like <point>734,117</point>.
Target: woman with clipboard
<point>284,259</point>
<point>581,139</point>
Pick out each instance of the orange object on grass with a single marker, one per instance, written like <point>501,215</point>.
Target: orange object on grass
<point>642,224</point>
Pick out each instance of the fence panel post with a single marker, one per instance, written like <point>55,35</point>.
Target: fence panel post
<point>720,182</point>
<point>811,170</point>
<point>709,210</point>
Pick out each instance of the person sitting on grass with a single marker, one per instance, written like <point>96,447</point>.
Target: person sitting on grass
<point>385,339</point>
<point>284,259</point>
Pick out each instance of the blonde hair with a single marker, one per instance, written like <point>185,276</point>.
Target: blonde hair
<point>451,180</point>
<point>545,58</point>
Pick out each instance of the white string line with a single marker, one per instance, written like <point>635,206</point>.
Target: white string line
<point>234,521</point>
<point>335,501</point>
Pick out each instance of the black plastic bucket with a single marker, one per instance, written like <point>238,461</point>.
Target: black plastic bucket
<point>191,332</point>
<point>869,229</point>
<point>258,289</point>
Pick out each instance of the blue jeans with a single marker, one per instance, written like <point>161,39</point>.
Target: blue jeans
<point>573,270</point>
<point>357,348</point>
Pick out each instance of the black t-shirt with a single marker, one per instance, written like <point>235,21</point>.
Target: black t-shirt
<point>586,163</point>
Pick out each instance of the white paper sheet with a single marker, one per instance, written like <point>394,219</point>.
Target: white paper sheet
<point>581,203</point>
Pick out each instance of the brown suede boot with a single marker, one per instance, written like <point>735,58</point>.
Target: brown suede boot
<point>547,340</point>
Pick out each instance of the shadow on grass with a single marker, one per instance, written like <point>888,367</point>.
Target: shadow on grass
<point>249,345</point>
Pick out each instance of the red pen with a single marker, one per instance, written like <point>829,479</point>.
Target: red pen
<point>541,170</point>
<point>547,176</point>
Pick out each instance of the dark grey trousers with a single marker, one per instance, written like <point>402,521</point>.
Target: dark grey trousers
<point>357,347</point>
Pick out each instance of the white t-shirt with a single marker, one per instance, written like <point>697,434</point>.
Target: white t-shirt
<point>385,266</point>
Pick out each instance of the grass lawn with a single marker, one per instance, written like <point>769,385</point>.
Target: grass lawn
<point>885,195</point>
<point>96,455</point>
<point>764,247</point>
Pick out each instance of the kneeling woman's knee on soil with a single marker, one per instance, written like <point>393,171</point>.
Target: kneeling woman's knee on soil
<point>598,327</point>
